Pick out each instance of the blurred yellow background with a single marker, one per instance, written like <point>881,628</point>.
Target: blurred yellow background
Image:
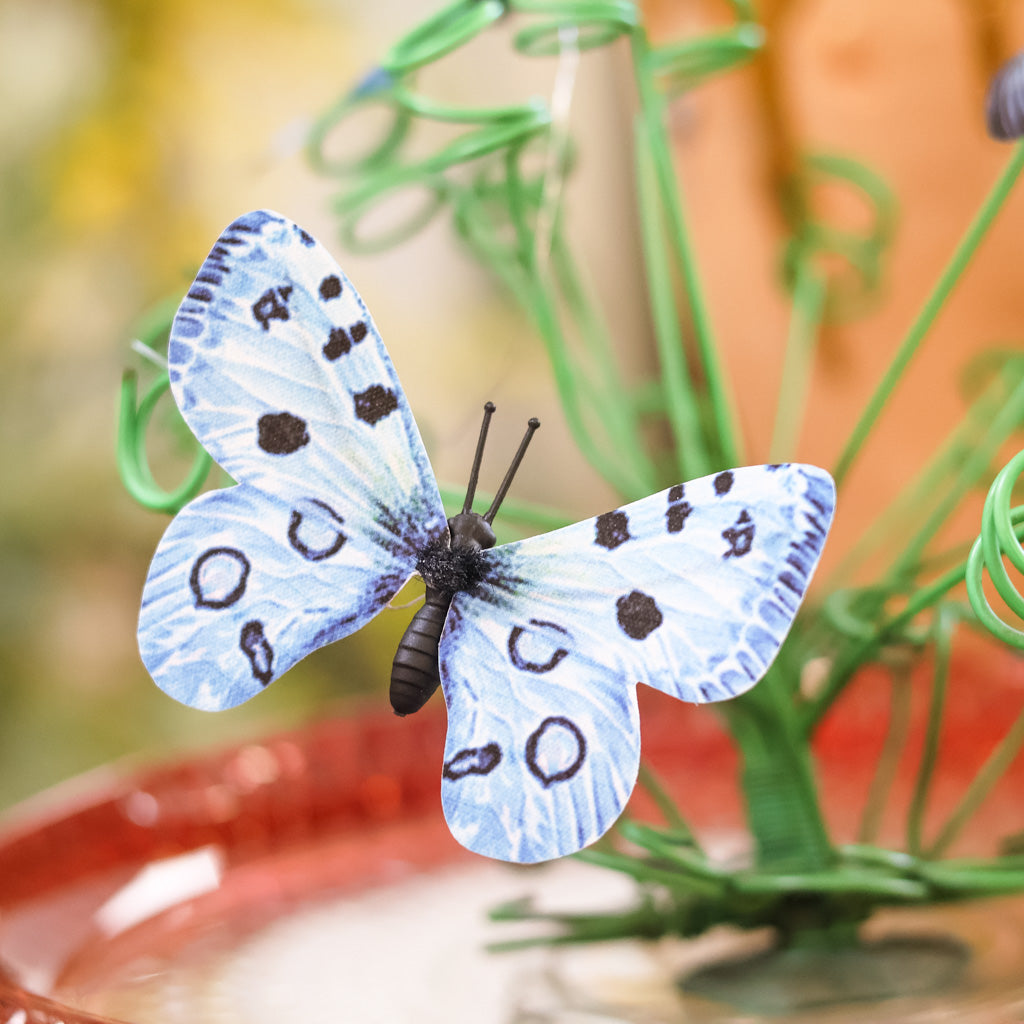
<point>132,132</point>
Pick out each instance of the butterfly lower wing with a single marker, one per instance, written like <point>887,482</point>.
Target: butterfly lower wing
<point>691,591</point>
<point>244,585</point>
<point>538,762</point>
<point>281,374</point>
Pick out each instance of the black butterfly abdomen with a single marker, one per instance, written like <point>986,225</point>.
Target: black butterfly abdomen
<point>446,568</point>
<point>414,673</point>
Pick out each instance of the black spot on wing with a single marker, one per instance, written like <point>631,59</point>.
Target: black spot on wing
<point>679,510</point>
<point>256,647</point>
<point>740,536</point>
<point>218,577</point>
<point>723,483</point>
<point>340,341</point>
<point>555,750</point>
<point>473,761</point>
<point>374,404</point>
<point>281,433</point>
<point>638,614</point>
<point>272,305</point>
<point>611,529</point>
<point>200,294</point>
<point>330,287</point>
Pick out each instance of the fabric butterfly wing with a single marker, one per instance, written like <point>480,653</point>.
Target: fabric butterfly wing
<point>691,591</point>
<point>279,370</point>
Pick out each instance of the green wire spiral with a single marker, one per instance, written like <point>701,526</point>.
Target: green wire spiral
<point>134,419</point>
<point>1002,527</point>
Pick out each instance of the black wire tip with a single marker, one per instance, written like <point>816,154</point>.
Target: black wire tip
<point>1004,104</point>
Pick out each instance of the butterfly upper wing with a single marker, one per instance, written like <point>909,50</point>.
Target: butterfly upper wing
<point>280,372</point>
<point>691,591</point>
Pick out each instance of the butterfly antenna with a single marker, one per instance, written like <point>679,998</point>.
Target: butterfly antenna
<point>531,427</point>
<point>474,473</point>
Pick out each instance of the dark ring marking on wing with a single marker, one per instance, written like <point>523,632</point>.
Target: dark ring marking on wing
<point>201,567</point>
<point>524,664</point>
<point>473,761</point>
<point>533,749</point>
<point>329,521</point>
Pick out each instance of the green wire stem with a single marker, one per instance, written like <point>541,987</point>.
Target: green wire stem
<point>919,328</point>
<point>889,758</point>
<point>680,398</point>
<point>981,785</point>
<point>943,631</point>
<point>809,293</point>
<point>722,431</point>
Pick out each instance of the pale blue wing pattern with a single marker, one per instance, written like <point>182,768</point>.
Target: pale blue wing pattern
<point>691,591</point>
<point>280,372</point>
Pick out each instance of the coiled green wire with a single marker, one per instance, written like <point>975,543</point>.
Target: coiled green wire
<point>859,252</point>
<point>133,423</point>
<point>1002,526</point>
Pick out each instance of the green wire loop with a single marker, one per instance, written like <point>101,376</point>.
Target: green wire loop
<point>450,28</point>
<point>355,207</point>
<point>510,129</point>
<point>132,463</point>
<point>678,67</point>
<point>375,90</point>
<point>1001,529</point>
<point>134,418</point>
<point>596,23</point>
<point>859,254</point>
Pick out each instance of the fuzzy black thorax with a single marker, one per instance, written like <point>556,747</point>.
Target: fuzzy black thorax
<point>449,566</point>
<point>450,570</point>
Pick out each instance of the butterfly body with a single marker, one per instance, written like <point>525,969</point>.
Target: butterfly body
<point>446,568</point>
<point>538,645</point>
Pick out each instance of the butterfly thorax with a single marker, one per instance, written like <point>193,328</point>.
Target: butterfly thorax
<point>452,565</point>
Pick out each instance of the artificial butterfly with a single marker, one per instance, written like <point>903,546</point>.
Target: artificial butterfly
<point>279,370</point>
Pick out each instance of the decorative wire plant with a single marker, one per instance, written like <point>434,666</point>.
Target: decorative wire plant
<point>508,212</point>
